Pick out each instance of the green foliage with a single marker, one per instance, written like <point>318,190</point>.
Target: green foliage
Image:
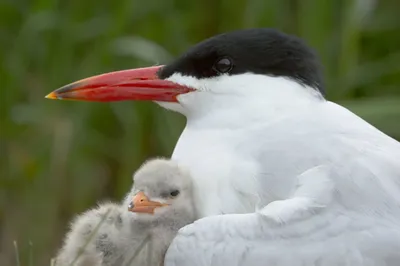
<point>59,158</point>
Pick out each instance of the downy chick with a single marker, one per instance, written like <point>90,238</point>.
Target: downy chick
<point>141,229</point>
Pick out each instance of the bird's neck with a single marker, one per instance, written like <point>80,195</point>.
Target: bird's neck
<point>232,111</point>
<point>240,100</point>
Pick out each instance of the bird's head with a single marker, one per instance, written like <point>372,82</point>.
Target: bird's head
<point>247,67</point>
<point>162,190</point>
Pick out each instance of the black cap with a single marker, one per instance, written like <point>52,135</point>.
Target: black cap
<point>260,51</point>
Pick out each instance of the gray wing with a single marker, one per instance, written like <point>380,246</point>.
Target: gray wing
<point>307,229</point>
<point>225,240</point>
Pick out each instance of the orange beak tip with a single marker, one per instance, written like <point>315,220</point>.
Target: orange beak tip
<point>52,96</point>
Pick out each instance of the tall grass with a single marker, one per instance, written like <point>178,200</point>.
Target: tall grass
<point>58,158</point>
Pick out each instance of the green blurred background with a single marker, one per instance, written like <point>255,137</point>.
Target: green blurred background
<point>59,157</point>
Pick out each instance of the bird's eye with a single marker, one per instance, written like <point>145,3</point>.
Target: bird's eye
<point>223,65</point>
<point>174,193</point>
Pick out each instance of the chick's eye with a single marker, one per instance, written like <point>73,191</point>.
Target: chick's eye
<point>174,193</point>
<point>223,65</point>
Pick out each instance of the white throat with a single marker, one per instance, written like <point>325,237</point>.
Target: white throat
<point>231,101</point>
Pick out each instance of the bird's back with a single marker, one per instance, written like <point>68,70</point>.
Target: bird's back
<point>364,162</point>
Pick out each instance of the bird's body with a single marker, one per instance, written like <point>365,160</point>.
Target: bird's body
<point>328,201</point>
<point>110,235</point>
<point>299,180</point>
<point>361,156</point>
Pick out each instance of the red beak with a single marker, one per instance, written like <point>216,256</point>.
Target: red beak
<point>132,84</point>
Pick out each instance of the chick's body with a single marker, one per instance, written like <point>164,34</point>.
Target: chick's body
<point>110,235</point>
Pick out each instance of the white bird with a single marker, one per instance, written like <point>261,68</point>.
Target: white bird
<point>139,231</point>
<point>290,178</point>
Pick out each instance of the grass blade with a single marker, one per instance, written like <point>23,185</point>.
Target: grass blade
<point>17,253</point>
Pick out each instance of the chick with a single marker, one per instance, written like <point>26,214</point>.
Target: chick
<point>141,229</point>
<point>94,235</point>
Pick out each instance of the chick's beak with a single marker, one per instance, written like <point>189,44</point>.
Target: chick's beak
<point>141,204</point>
